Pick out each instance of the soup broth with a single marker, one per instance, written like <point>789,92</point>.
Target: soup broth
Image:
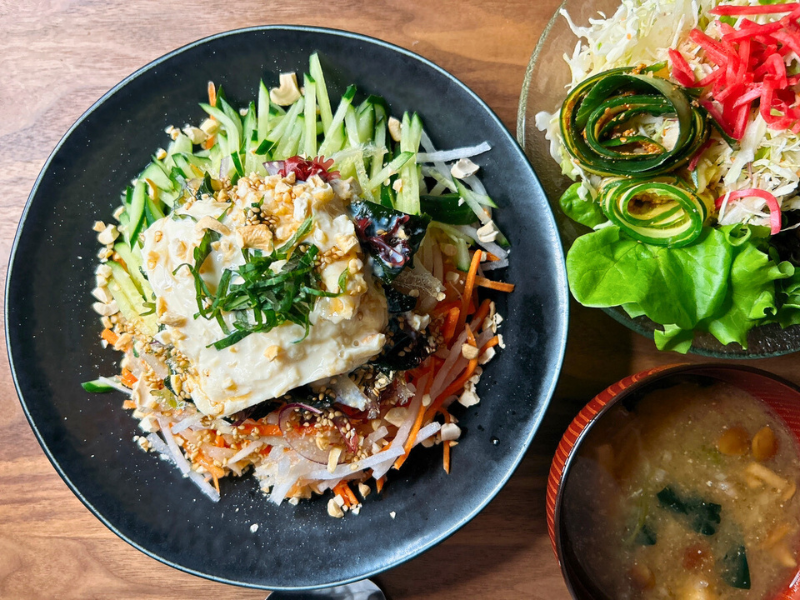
<point>688,494</point>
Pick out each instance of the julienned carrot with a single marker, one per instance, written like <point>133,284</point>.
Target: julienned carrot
<point>109,336</point>
<point>450,322</point>
<point>129,404</point>
<point>491,257</point>
<point>480,315</point>
<point>451,389</point>
<point>262,428</point>
<point>209,465</point>
<point>219,441</point>
<point>444,307</point>
<point>412,435</point>
<point>446,444</point>
<point>417,374</point>
<point>470,336</point>
<point>469,284</point>
<point>341,489</point>
<point>491,343</point>
<point>350,495</point>
<point>494,285</point>
<point>127,378</point>
<point>210,141</point>
<point>379,483</point>
<point>212,94</point>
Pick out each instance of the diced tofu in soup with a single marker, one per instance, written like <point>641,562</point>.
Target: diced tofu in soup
<point>690,494</point>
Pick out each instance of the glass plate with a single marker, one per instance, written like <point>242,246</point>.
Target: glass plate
<point>544,88</point>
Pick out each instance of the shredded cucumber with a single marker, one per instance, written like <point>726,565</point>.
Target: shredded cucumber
<point>353,138</point>
<point>287,122</point>
<point>263,112</point>
<point>310,115</point>
<point>230,126</point>
<point>322,92</point>
<point>333,134</point>
<point>97,386</point>
<point>408,198</point>
<point>133,259</point>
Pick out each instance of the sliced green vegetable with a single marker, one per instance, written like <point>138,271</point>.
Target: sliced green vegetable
<point>97,386</point>
<point>286,126</point>
<point>411,133</point>
<point>469,199</point>
<point>447,209</point>
<point>351,127</point>
<point>249,128</point>
<point>365,116</point>
<point>595,120</point>
<point>133,260</point>
<point>180,145</point>
<point>129,300</point>
<point>263,112</point>
<point>230,127</point>
<point>333,139</point>
<point>291,141</point>
<point>310,140</point>
<point>324,102</point>
<point>662,211</point>
<point>155,173</point>
<point>184,166</point>
<point>136,212</point>
<point>379,138</point>
<point>391,169</point>
<point>232,115</point>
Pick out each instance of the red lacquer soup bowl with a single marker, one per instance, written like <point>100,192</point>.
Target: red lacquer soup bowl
<point>781,396</point>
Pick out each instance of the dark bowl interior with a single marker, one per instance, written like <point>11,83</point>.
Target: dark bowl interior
<point>780,395</point>
<point>53,345</point>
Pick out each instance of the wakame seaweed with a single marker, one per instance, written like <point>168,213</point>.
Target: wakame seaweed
<point>703,517</point>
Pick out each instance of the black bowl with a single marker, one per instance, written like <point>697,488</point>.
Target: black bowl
<point>52,332</point>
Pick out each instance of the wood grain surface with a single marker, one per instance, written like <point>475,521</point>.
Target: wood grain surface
<point>56,58</point>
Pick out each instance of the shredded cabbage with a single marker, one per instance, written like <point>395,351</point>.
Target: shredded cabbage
<point>642,32</point>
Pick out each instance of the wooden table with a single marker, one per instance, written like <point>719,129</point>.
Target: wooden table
<point>56,58</point>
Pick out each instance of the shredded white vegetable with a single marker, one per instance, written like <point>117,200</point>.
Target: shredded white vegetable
<point>456,154</point>
<point>642,32</point>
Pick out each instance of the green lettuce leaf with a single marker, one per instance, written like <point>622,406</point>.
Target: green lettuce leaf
<point>725,283</point>
<point>681,286</point>
<point>585,212</point>
<point>789,295</point>
<point>752,298</point>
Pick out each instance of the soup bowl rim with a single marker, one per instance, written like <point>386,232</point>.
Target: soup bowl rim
<point>591,414</point>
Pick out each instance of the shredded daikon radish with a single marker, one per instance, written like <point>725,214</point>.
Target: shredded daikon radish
<point>451,155</point>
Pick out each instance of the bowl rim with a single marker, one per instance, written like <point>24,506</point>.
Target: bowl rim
<point>647,378</point>
<point>559,338</point>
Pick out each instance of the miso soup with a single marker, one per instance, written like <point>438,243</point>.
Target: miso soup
<point>689,493</point>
